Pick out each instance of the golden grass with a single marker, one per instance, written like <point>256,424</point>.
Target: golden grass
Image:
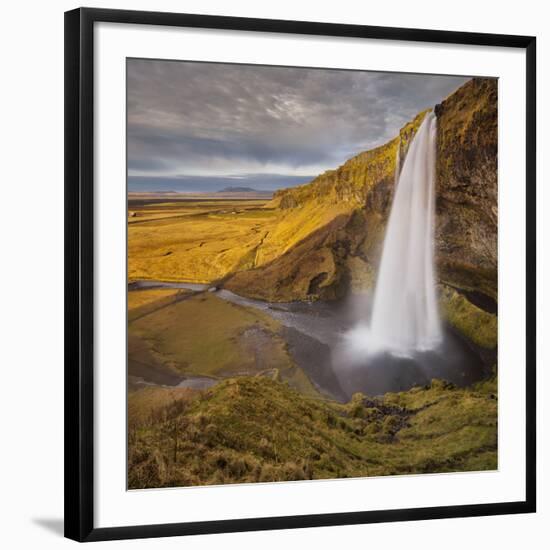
<point>196,242</point>
<point>146,401</point>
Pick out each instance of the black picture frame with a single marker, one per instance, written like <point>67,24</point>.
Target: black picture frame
<point>79,269</point>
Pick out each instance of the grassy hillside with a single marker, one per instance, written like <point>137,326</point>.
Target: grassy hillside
<point>256,429</point>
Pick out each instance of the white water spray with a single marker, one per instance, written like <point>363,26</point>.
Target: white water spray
<point>405,317</point>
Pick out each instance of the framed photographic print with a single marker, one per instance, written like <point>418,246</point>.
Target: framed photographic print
<point>300,274</point>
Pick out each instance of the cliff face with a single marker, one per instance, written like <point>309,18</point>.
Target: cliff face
<point>467,207</point>
<point>331,231</point>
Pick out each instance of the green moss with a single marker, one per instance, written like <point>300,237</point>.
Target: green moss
<point>488,386</point>
<point>203,335</point>
<point>256,429</point>
<point>475,324</point>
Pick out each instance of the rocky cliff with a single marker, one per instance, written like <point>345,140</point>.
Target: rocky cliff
<point>467,207</point>
<point>330,234</point>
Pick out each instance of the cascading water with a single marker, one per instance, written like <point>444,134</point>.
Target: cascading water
<point>405,316</point>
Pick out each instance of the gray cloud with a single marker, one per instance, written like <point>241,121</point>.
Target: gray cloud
<point>218,119</point>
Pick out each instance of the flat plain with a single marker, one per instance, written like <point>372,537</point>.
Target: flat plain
<point>195,239</point>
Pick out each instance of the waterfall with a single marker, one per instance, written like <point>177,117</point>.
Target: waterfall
<point>405,316</point>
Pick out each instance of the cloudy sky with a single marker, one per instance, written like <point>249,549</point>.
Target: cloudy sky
<point>204,126</point>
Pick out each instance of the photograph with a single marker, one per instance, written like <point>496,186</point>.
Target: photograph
<point>312,273</point>
<point>287,275</point>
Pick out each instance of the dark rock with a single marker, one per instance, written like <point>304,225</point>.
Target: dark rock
<point>467,215</point>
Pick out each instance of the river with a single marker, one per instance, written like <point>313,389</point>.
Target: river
<point>315,335</point>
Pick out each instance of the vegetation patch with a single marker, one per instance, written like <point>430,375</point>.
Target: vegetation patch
<point>257,429</point>
<point>145,302</point>
<point>204,335</point>
<point>474,323</point>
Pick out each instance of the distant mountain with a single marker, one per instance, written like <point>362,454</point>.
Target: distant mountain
<point>238,190</point>
<point>211,184</point>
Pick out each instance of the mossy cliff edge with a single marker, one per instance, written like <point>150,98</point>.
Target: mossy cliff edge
<point>329,233</point>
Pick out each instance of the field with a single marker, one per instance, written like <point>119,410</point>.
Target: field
<point>174,334</point>
<point>194,240</point>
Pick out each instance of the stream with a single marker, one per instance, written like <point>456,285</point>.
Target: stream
<point>315,335</point>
